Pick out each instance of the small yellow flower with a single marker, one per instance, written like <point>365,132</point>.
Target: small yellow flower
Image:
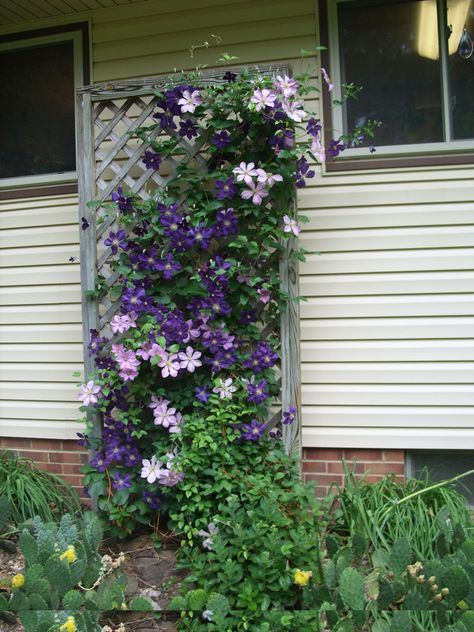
<point>69,625</point>
<point>301,578</point>
<point>69,554</point>
<point>18,581</point>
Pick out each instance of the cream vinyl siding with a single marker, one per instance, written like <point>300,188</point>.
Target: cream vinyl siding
<point>40,317</point>
<point>387,330</point>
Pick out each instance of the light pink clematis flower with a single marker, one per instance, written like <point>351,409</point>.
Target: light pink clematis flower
<point>170,478</point>
<point>128,373</point>
<point>327,80</point>
<point>151,469</point>
<point>245,172</point>
<point>164,416</point>
<point>318,150</point>
<point>149,350</point>
<point>190,101</point>
<point>293,111</point>
<point>190,359</point>
<point>169,365</point>
<point>268,179</point>
<point>123,322</point>
<point>286,85</point>
<point>157,401</point>
<point>88,393</point>
<point>265,295</point>
<point>263,98</point>
<point>291,226</point>
<point>256,191</point>
<point>225,389</point>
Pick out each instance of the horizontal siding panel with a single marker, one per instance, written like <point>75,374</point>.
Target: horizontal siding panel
<point>377,417</point>
<point>40,256</point>
<point>49,411</point>
<point>387,395</point>
<point>40,333</point>
<point>40,275</point>
<point>388,351</point>
<point>43,353</point>
<point>157,24</point>
<point>43,428</point>
<point>448,438</point>
<point>252,31</point>
<point>255,53</point>
<point>388,239</point>
<point>39,372</point>
<point>385,216</point>
<point>388,373</point>
<point>51,235</point>
<point>388,306</point>
<point>386,328</point>
<point>39,294</point>
<point>56,216</point>
<point>39,314</point>
<point>38,391</point>
<point>408,283</point>
<point>43,202</point>
<point>388,261</point>
<point>331,193</point>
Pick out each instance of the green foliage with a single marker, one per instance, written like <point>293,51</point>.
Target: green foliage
<point>32,492</point>
<point>351,588</point>
<point>5,513</point>
<point>391,509</point>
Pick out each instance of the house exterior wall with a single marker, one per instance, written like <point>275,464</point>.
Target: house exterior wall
<point>386,331</point>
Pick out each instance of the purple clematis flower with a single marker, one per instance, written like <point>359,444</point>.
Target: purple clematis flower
<point>121,481</point>
<point>257,392</point>
<point>221,139</point>
<point>226,223</point>
<point>289,416</point>
<point>168,266</point>
<point>154,501</point>
<point>188,129</point>
<point>116,240</point>
<point>202,394</point>
<point>125,204</point>
<point>151,160</point>
<point>253,431</point>
<point>201,236</point>
<point>225,189</point>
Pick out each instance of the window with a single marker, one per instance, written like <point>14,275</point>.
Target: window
<point>414,61</point>
<point>442,465</point>
<point>39,74</point>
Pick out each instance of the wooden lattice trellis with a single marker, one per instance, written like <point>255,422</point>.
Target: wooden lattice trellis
<point>109,157</point>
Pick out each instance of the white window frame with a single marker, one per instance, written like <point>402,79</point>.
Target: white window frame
<point>76,37</point>
<point>443,147</point>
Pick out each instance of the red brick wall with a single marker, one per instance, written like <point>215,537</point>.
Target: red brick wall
<point>325,466</point>
<point>64,458</point>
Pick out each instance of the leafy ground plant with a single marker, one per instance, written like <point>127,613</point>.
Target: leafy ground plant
<point>32,492</point>
<point>390,509</point>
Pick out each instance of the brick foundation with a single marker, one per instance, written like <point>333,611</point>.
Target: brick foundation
<point>61,457</point>
<point>324,465</point>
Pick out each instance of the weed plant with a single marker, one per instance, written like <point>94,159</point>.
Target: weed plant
<point>32,492</point>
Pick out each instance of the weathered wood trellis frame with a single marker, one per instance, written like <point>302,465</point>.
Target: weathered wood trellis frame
<point>109,157</point>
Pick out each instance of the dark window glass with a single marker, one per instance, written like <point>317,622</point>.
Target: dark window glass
<point>461,66</point>
<point>443,465</point>
<point>382,48</point>
<point>37,110</point>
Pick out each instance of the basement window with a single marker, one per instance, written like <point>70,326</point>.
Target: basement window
<point>442,465</point>
<point>39,75</point>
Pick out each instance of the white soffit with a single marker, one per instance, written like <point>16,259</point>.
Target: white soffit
<point>17,11</point>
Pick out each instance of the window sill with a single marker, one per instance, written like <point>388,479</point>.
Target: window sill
<point>38,186</point>
<point>373,161</point>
